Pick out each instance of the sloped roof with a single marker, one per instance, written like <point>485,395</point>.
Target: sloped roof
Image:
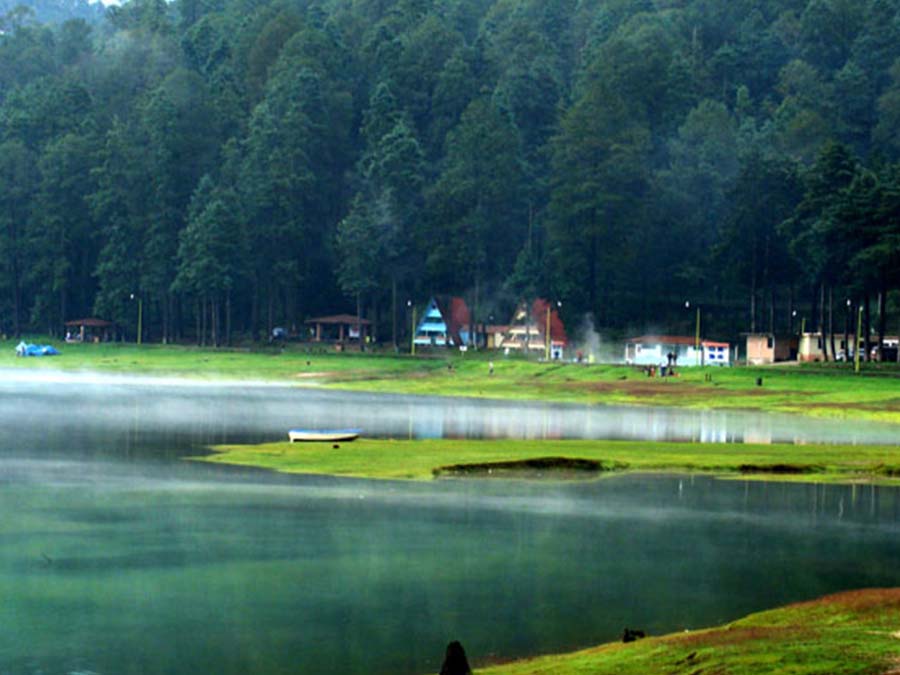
<point>90,322</point>
<point>539,315</point>
<point>339,319</point>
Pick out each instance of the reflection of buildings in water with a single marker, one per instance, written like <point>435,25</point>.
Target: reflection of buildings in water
<point>220,414</point>
<point>758,436</point>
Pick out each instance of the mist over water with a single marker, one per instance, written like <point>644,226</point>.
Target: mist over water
<point>56,404</point>
<point>116,556</point>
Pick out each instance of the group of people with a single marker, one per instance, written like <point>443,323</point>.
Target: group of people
<point>667,370</point>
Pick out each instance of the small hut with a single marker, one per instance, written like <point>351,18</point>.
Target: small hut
<point>89,330</point>
<point>339,328</point>
<point>765,348</point>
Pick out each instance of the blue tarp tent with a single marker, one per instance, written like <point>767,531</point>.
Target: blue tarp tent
<point>23,349</point>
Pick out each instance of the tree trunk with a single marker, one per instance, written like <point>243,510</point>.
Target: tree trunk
<point>362,346</point>
<point>254,310</point>
<point>270,312</point>
<point>394,311</point>
<point>790,310</point>
<point>882,320</point>
<point>198,327</point>
<point>218,320</point>
<point>203,321</point>
<point>753,286</point>
<point>17,296</point>
<point>228,318</point>
<point>62,309</point>
<point>592,276</point>
<point>822,321</point>
<point>831,321</point>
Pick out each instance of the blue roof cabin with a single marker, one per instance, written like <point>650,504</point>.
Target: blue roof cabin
<point>444,324</point>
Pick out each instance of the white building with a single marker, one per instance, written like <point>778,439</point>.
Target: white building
<point>655,350</point>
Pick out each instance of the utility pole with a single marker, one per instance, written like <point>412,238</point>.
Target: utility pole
<point>859,316</point>
<point>140,323</point>
<point>547,336</point>
<point>697,338</point>
<point>412,337</point>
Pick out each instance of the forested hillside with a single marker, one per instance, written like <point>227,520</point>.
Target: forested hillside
<point>240,164</point>
<point>47,11</point>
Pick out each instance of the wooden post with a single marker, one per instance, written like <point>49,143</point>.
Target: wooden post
<point>697,339</point>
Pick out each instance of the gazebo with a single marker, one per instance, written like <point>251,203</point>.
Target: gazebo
<point>339,328</point>
<point>89,330</point>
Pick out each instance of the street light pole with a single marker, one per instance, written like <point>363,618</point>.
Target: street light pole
<point>697,352</point>
<point>140,327</point>
<point>547,336</point>
<point>859,315</point>
<point>412,337</point>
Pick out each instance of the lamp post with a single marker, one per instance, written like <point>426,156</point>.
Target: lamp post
<point>140,327</point>
<point>687,305</point>
<point>859,316</point>
<point>412,337</point>
<point>847,324</point>
<point>547,336</point>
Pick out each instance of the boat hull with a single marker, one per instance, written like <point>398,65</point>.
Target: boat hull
<point>321,436</point>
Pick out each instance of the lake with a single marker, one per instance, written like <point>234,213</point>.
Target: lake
<point>116,556</point>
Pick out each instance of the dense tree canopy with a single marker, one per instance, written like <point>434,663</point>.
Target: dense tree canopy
<point>238,165</point>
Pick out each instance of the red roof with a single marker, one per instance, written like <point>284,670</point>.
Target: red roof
<point>90,323</point>
<point>460,316</point>
<point>539,316</point>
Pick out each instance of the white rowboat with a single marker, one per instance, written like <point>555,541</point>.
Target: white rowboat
<point>323,435</point>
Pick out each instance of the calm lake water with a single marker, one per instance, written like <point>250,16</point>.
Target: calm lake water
<point>118,557</point>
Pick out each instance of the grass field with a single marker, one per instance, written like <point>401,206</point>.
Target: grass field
<point>423,459</point>
<point>854,633</point>
<point>831,390</point>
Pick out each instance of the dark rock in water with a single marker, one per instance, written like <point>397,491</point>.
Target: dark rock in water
<point>631,635</point>
<point>455,661</point>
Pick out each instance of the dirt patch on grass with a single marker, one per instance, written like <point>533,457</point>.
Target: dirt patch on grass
<point>557,466</point>
<point>660,387</point>
<point>889,405</point>
<point>736,636</point>
<point>780,469</point>
<point>867,599</point>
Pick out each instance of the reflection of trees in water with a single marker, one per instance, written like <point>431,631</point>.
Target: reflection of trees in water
<point>120,419</point>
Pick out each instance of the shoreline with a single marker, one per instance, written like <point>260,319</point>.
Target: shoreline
<point>447,459</point>
<point>842,633</point>
<point>808,391</point>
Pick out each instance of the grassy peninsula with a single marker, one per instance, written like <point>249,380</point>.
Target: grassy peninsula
<point>426,459</point>
<point>857,632</point>
<point>830,390</point>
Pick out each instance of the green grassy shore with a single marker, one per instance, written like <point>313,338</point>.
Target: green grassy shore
<point>857,633</point>
<point>831,390</point>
